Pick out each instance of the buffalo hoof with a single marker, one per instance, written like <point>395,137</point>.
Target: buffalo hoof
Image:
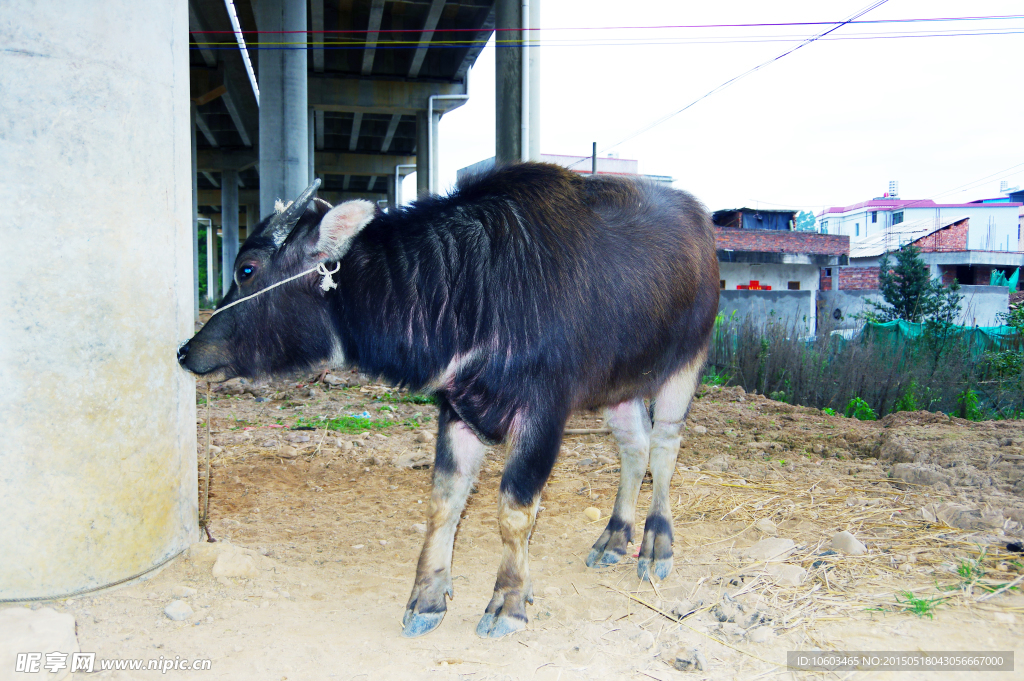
<point>610,547</point>
<point>420,623</point>
<point>662,568</point>
<point>599,558</point>
<point>492,626</point>
<point>505,614</point>
<point>655,557</point>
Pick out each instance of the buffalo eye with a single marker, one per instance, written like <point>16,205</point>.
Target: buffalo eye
<point>245,271</point>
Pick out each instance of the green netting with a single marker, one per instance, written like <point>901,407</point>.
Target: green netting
<point>997,278</point>
<point>979,339</point>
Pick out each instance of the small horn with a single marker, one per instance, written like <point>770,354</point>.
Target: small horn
<point>285,222</point>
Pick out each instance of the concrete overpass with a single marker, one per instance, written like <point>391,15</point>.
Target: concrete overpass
<point>344,89</point>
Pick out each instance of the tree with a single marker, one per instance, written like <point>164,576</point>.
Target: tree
<point>805,221</point>
<point>910,293</point>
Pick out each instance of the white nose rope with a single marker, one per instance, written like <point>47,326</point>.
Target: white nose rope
<point>326,284</point>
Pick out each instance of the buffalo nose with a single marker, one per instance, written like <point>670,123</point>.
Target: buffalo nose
<point>183,352</point>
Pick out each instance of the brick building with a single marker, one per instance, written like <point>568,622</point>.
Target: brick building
<point>761,246</point>
<point>944,248</point>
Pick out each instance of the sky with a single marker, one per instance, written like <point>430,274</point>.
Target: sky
<point>828,125</point>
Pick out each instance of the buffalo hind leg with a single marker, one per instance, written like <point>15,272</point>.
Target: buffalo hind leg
<point>631,425</point>
<point>456,464</point>
<point>531,456</point>
<point>670,408</point>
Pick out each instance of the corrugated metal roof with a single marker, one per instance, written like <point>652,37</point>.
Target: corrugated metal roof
<point>899,235</point>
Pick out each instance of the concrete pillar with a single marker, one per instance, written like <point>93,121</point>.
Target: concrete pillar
<point>98,458</point>
<point>423,159</point>
<point>195,217</point>
<point>508,84</point>
<point>229,227</point>
<point>284,109</point>
<point>389,186</point>
<point>534,84</point>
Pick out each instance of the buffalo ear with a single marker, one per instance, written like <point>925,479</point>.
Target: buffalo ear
<point>341,224</point>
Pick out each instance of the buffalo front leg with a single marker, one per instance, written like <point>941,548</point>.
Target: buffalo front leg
<point>670,408</point>
<point>631,426</point>
<point>456,465</point>
<point>531,457</point>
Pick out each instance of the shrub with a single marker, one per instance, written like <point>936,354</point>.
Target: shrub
<point>860,410</point>
<point>969,406</point>
<point>889,373</point>
<point>908,400</point>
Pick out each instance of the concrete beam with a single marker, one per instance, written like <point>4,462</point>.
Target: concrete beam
<point>334,162</point>
<point>221,159</point>
<point>433,15</point>
<point>774,258</point>
<point>353,138</point>
<point>372,35</point>
<point>481,37</point>
<point>991,258</point>
<point>238,96</point>
<point>205,85</point>
<point>242,121</point>
<point>210,178</point>
<point>250,198</point>
<point>390,135</point>
<point>213,197</point>
<point>195,26</point>
<point>380,96</point>
<point>335,198</point>
<point>205,129</point>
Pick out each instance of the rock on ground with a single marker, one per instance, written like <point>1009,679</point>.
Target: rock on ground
<point>36,631</point>
<point>787,575</point>
<point>178,611</point>
<point>848,544</point>
<point>235,565</point>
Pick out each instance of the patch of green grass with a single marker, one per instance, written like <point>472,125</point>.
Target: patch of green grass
<point>411,398</point>
<point>712,377</point>
<point>922,607</point>
<point>971,570</point>
<point>828,411</point>
<point>345,424</point>
<point>782,462</point>
<point>358,424</point>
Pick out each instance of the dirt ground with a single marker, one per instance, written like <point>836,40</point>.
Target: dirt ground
<point>333,526</point>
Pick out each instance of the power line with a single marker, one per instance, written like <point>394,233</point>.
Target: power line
<point>657,27</point>
<point>732,80</point>
<point>622,42</point>
<point>411,45</point>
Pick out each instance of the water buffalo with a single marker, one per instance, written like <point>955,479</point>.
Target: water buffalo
<point>527,293</point>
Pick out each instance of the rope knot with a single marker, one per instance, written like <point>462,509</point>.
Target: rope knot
<point>327,283</point>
